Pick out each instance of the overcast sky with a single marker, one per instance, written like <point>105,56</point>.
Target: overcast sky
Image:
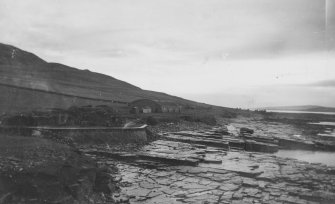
<point>237,53</point>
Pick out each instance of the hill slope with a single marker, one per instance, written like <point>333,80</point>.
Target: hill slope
<point>29,82</point>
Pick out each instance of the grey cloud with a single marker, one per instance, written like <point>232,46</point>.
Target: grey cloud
<point>239,28</point>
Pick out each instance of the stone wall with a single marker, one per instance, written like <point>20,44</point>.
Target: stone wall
<point>100,135</point>
<point>84,135</point>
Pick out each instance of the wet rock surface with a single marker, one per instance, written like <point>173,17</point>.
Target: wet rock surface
<point>304,136</point>
<point>172,170</point>
<point>264,179</point>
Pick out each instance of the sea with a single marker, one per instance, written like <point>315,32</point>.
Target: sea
<point>289,111</point>
<point>322,157</point>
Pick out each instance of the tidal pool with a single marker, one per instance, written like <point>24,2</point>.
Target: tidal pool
<point>324,123</point>
<point>327,158</point>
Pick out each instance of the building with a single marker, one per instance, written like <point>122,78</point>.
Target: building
<point>151,106</point>
<point>143,105</point>
<point>52,117</point>
<point>146,109</point>
<point>170,107</point>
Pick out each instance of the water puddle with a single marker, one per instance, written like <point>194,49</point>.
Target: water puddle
<point>324,123</point>
<point>327,158</point>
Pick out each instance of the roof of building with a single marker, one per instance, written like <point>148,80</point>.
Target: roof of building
<point>167,103</point>
<point>161,103</point>
<point>144,99</point>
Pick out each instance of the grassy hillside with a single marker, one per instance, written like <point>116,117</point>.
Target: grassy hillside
<point>19,68</point>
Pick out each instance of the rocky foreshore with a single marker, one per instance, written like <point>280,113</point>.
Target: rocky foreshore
<point>304,136</point>
<point>214,165</point>
<point>182,163</point>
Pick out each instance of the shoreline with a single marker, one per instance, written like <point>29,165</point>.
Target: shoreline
<point>188,162</point>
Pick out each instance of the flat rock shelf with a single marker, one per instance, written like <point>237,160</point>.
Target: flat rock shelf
<point>215,166</point>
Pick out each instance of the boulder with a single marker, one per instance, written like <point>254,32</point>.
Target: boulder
<point>244,130</point>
